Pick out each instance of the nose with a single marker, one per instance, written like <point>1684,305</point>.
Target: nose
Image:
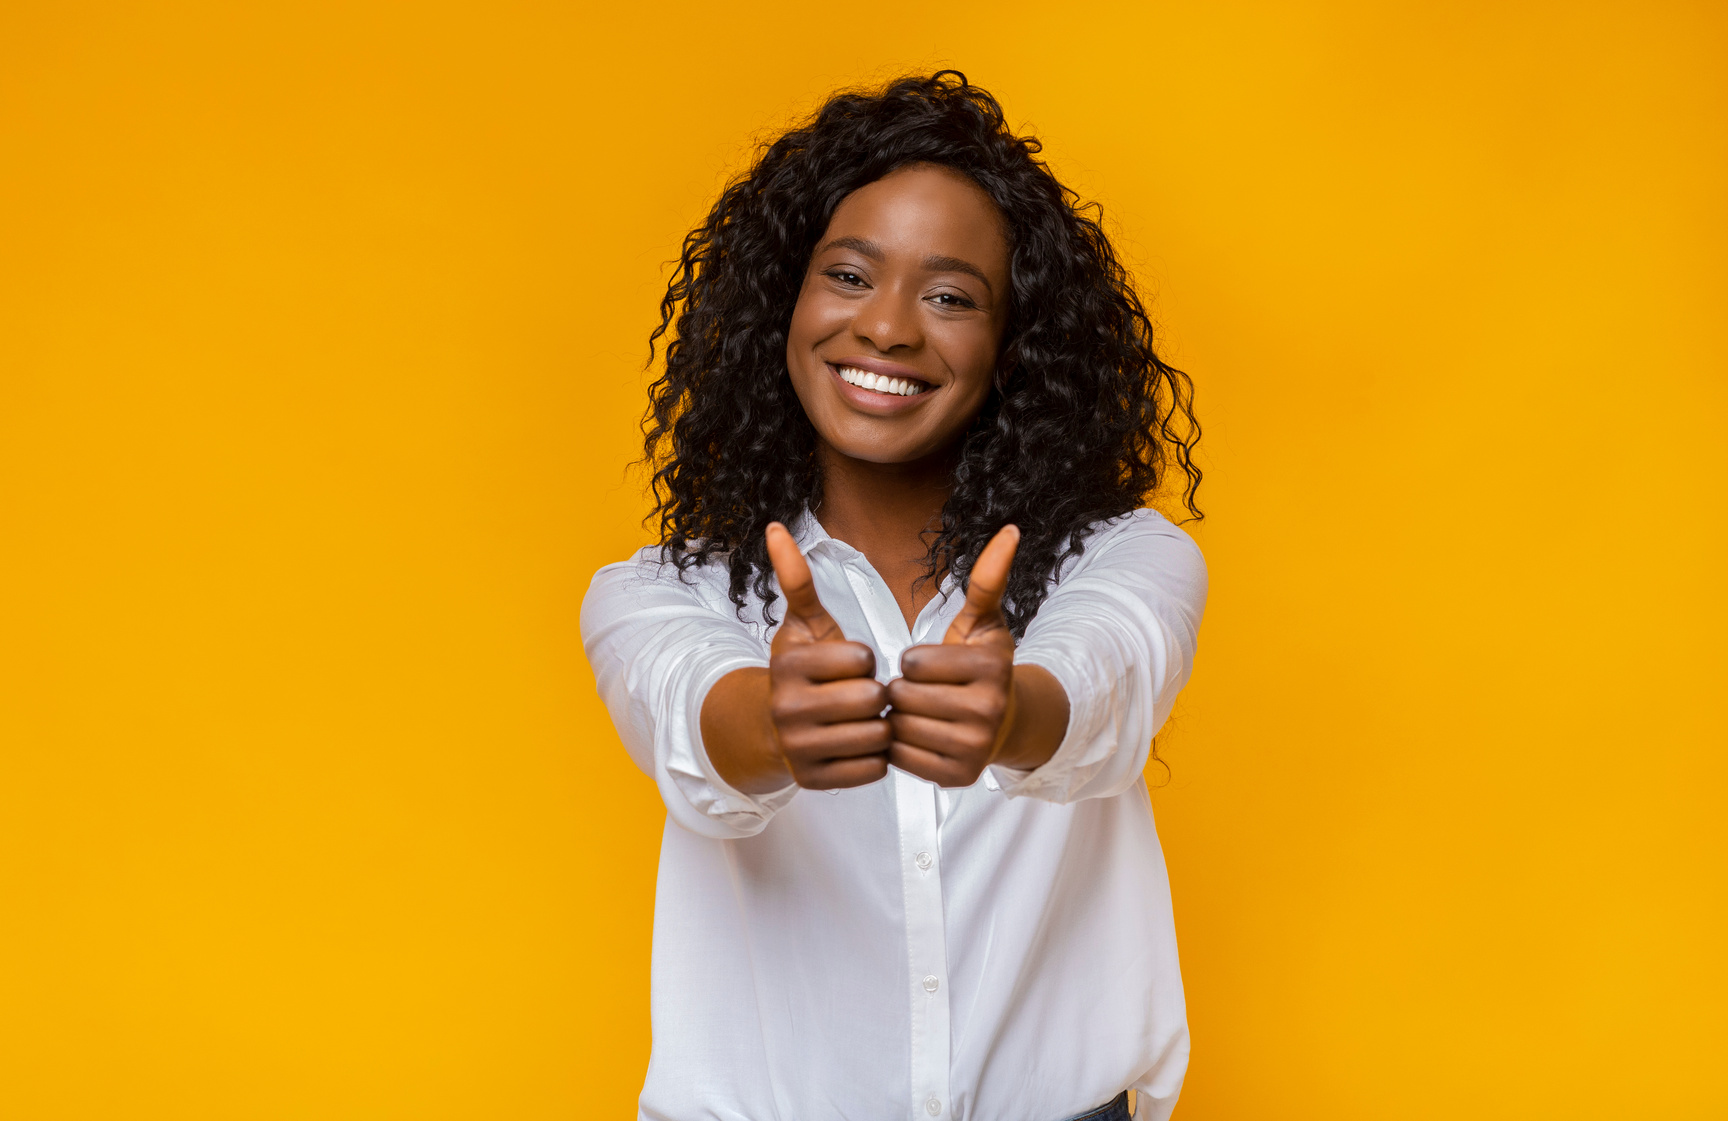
<point>888,319</point>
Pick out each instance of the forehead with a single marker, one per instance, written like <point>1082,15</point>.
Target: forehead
<point>925,209</point>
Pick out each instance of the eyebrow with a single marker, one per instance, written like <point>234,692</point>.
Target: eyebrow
<point>936,263</point>
<point>956,264</point>
<point>859,245</point>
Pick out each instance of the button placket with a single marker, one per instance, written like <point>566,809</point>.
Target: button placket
<point>926,941</point>
<point>921,876</point>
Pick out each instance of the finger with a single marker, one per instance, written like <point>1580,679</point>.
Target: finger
<point>831,703</point>
<point>986,585</point>
<point>930,766</point>
<point>823,743</point>
<point>844,773</point>
<point>946,702</point>
<point>951,664</point>
<point>799,586</point>
<point>957,739</point>
<point>827,661</point>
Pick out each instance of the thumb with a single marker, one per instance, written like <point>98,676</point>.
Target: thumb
<point>793,572</point>
<point>982,610</point>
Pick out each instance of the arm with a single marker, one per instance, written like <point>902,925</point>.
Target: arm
<point>726,730</point>
<point>739,731</point>
<point>657,646</point>
<point>1072,712</point>
<point>1120,633</point>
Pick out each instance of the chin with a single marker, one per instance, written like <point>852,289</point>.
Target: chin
<point>880,451</point>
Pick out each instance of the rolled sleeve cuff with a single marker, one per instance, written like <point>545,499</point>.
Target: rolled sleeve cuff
<point>688,769</point>
<point>1086,746</point>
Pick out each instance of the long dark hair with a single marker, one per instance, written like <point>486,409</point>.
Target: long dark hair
<point>1084,421</point>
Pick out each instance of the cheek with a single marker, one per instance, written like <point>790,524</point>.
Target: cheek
<point>808,328</point>
<point>974,361</point>
<point>813,319</point>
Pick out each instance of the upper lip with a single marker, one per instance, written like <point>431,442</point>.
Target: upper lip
<point>881,368</point>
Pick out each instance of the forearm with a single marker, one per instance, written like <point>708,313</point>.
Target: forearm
<point>1038,721</point>
<point>738,732</point>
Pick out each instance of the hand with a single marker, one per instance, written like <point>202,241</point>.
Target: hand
<point>955,705</point>
<point>824,701</point>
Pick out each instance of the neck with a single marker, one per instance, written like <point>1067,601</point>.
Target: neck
<point>888,512</point>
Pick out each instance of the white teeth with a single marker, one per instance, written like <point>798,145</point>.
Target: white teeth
<point>899,387</point>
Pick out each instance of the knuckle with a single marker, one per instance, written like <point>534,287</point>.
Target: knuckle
<point>792,661</point>
<point>907,762</point>
<point>975,703</point>
<point>785,707</point>
<point>854,704</point>
<point>795,748</point>
<point>817,660</point>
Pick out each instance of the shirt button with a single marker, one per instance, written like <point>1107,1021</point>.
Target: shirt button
<point>933,1106</point>
<point>931,984</point>
<point>924,861</point>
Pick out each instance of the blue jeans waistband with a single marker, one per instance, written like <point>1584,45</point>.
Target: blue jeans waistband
<point>1114,1110</point>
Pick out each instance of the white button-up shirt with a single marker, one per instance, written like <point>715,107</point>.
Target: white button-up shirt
<point>1003,952</point>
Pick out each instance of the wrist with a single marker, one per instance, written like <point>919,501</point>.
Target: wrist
<point>766,769</point>
<point>738,734</point>
<point>1036,721</point>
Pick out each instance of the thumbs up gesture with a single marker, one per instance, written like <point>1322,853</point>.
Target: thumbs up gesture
<point>824,700</point>
<point>955,705</point>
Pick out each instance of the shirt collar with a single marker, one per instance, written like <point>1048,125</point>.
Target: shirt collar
<point>811,537</point>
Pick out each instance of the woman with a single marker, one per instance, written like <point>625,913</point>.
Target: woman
<point>909,391</point>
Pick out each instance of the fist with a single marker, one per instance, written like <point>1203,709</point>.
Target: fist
<point>954,704</point>
<point>824,701</point>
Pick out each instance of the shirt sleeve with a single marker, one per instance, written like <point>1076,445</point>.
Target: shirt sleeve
<point>1118,633</point>
<point>656,648</point>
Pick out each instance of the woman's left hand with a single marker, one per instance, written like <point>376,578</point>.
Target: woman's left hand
<point>958,707</point>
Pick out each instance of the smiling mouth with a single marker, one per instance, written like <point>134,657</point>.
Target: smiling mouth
<point>876,383</point>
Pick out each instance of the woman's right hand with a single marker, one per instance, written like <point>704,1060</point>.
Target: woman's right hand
<point>825,704</point>
<point>815,714</point>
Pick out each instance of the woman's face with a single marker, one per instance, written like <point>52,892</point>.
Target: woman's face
<point>894,340</point>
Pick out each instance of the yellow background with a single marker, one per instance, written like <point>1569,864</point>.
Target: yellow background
<point>321,330</point>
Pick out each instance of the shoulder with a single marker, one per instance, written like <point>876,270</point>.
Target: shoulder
<point>1145,531</point>
<point>648,578</point>
<point>1145,548</point>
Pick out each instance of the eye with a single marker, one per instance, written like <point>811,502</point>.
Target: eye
<point>846,277</point>
<point>952,299</point>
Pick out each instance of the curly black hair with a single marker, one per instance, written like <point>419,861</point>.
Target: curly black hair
<point>1083,423</point>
